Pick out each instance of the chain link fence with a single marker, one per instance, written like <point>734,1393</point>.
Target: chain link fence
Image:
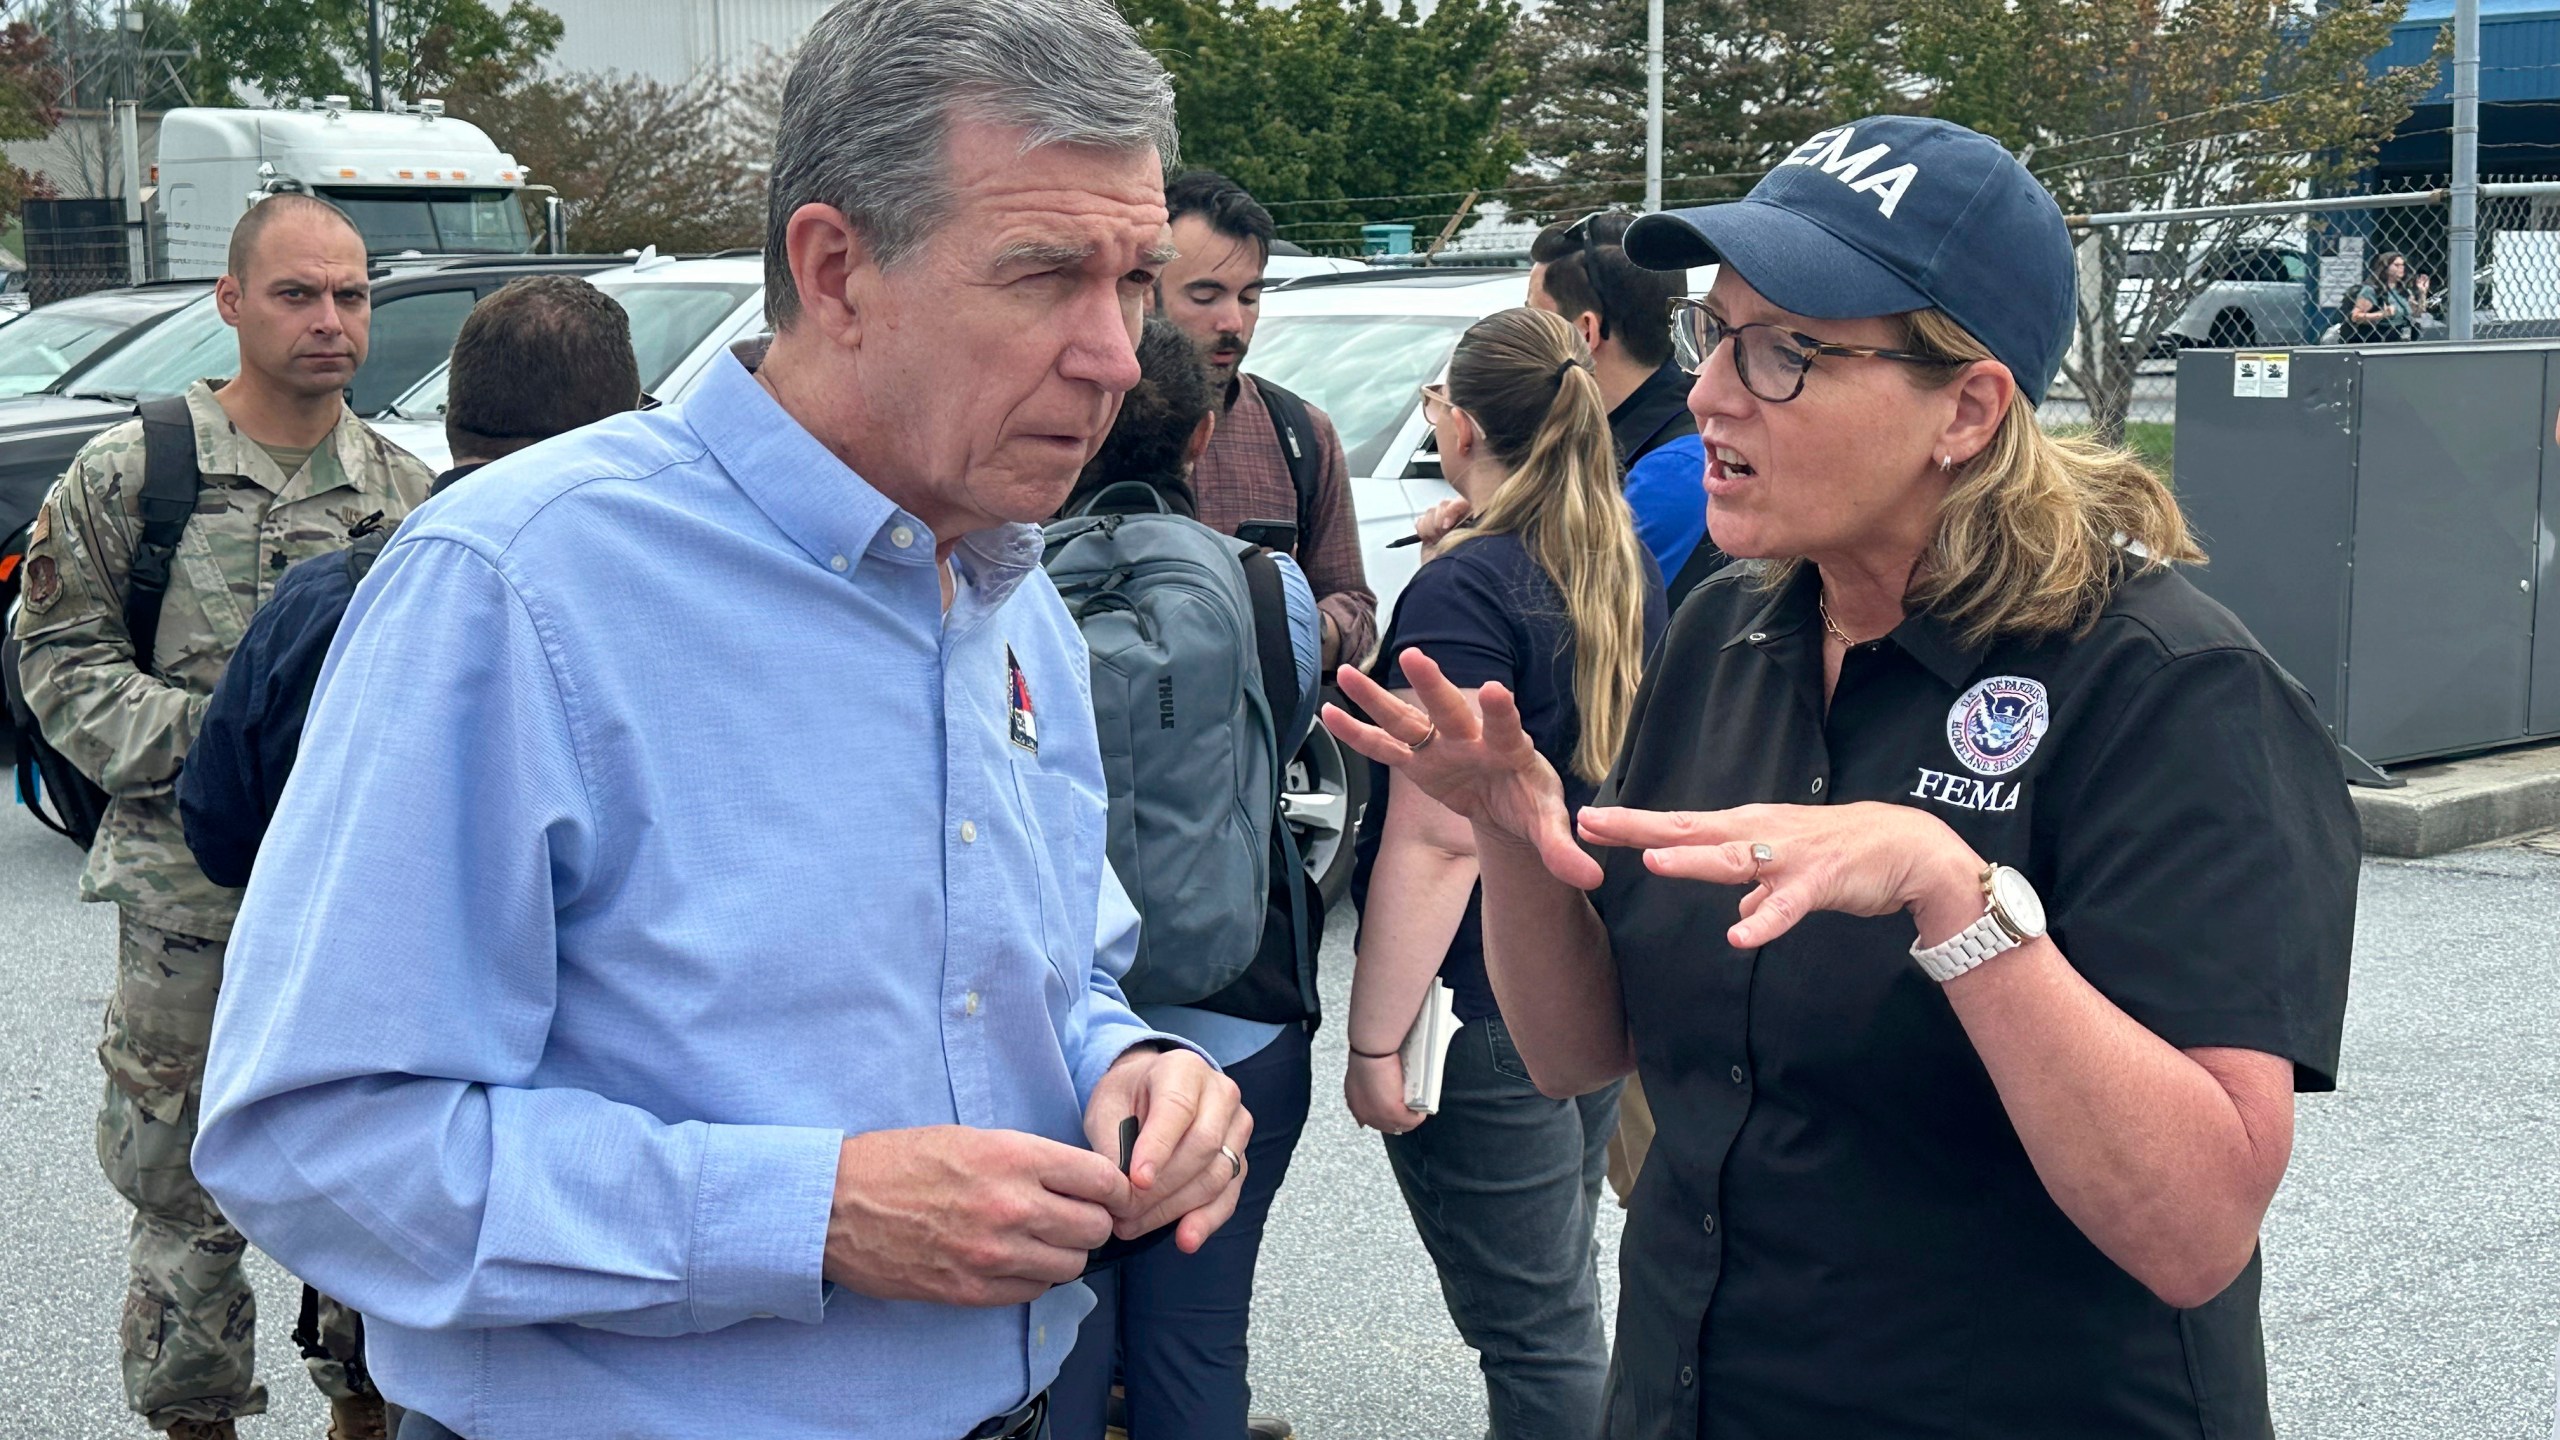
<point>2365,269</point>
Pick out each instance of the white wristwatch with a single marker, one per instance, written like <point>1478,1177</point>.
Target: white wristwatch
<point>2012,915</point>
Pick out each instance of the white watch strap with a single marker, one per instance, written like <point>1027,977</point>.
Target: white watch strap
<point>1963,950</point>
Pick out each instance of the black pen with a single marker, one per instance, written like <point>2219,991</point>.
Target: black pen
<point>1402,541</point>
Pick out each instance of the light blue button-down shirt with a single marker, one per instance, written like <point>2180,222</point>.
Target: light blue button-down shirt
<point>655,829</point>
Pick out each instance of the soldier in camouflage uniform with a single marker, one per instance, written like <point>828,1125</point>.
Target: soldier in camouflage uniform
<point>297,294</point>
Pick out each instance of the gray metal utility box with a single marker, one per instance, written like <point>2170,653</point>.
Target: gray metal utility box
<point>2383,519</point>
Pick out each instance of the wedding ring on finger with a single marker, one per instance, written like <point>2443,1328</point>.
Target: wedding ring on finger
<point>1761,857</point>
<point>1418,746</point>
<point>1235,1162</point>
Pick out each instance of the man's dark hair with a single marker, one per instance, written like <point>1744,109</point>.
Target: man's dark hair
<point>1224,204</point>
<point>544,355</point>
<point>1150,440</point>
<point>1588,273</point>
<point>254,222</point>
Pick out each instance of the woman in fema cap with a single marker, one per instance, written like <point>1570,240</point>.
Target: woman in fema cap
<point>1972,893</point>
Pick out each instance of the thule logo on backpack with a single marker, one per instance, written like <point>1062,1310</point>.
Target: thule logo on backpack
<point>1164,702</point>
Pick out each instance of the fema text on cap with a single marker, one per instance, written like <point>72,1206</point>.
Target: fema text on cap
<point>1830,150</point>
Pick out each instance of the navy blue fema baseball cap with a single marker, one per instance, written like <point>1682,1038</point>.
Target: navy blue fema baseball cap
<point>1889,214</point>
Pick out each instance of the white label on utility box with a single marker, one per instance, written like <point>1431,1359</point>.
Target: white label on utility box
<point>2262,374</point>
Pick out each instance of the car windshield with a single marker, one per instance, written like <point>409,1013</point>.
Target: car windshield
<point>36,349</point>
<point>189,346</point>
<point>1362,370</point>
<point>668,320</point>
<point>470,222</point>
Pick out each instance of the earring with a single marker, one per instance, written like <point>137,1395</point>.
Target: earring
<point>1945,464</point>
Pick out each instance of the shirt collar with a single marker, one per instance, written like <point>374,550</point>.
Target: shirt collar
<point>1649,409</point>
<point>1922,636</point>
<point>833,514</point>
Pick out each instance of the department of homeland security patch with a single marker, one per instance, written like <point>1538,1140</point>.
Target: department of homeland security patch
<point>1994,726</point>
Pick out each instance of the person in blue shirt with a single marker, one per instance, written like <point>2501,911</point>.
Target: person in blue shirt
<point>541,357</point>
<point>1580,270</point>
<point>676,995</point>
<point>1172,1326</point>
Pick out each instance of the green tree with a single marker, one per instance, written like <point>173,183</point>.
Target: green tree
<point>1744,81</point>
<point>318,47</point>
<point>1322,105</point>
<point>640,162</point>
<point>30,106</point>
<point>2124,105</point>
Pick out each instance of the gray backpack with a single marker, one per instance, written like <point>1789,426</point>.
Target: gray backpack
<point>1193,680</point>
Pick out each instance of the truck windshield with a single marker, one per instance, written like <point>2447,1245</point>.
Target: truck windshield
<point>436,222</point>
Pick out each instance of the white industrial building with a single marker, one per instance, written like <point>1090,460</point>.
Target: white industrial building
<point>670,40</point>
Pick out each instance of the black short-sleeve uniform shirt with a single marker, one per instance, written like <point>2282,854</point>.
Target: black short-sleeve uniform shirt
<point>1838,1231</point>
<point>1487,613</point>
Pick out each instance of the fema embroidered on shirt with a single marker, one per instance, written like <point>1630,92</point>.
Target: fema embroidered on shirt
<point>1021,728</point>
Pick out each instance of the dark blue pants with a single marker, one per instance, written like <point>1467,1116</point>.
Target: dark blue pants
<point>1176,1323</point>
<point>1504,1185</point>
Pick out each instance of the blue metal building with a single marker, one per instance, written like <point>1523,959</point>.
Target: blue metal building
<point>2519,94</point>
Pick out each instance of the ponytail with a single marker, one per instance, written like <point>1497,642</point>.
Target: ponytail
<point>1526,379</point>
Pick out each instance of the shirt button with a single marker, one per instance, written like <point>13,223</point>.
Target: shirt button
<point>968,832</point>
<point>1737,1079</point>
<point>1040,1335</point>
<point>839,564</point>
<point>1711,1224</point>
<point>1688,1377</point>
<point>970,1005</point>
<point>1817,784</point>
<point>902,537</point>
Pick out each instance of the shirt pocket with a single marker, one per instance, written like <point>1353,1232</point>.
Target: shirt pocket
<point>1063,858</point>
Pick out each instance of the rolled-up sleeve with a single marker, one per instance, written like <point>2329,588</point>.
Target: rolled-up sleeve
<point>370,1113</point>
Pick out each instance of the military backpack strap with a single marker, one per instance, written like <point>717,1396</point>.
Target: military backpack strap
<point>170,480</point>
<point>1297,430</point>
<point>1278,658</point>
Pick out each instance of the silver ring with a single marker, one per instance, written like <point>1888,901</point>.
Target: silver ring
<point>1235,1162</point>
<point>1761,855</point>
<point>1417,746</point>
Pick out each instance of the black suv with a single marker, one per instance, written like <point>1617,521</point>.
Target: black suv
<point>418,307</point>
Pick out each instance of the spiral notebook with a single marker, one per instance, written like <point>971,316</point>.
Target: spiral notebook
<point>1426,1048</point>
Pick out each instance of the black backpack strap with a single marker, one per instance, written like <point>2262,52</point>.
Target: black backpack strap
<point>1271,645</point>
<point>170,480</point>
<point>1297,429</point>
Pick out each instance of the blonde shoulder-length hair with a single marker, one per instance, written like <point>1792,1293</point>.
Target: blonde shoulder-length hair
<point>2037,530</point>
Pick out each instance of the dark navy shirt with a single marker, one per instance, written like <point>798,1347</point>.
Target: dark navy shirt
<point>1486,612</point>
<point>252,729</point>
<point>1838,1230</point>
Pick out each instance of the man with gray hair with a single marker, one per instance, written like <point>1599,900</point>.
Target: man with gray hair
<point>742,1053</point>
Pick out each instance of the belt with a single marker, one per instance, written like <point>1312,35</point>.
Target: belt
<point>1026,1421</point>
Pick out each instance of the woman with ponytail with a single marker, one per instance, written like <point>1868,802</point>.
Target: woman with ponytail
<point>1544,591</point>
<point>1972,892</point>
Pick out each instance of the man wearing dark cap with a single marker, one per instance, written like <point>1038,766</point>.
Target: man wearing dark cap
<point>543,356</point>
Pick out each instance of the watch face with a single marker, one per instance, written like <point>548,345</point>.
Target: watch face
<point>2018,901</point>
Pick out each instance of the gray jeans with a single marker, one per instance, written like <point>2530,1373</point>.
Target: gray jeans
<point>1504,1184</point>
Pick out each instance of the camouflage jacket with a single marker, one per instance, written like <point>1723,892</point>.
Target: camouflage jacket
<point>128,730</point>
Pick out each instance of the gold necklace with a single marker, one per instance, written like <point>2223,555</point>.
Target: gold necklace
<point>1823,607</point>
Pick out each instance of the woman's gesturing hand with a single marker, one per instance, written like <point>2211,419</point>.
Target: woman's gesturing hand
<point>1862,859</point>
<point>1471,756</point>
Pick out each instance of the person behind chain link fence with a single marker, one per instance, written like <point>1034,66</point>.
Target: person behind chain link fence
<point>2386,307</point>
<point>284,471</point>
<point>741,1052</point>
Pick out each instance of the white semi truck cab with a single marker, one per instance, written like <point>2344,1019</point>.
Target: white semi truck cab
<point>413,179</point>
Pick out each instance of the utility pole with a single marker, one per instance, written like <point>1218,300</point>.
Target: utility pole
<point>2465,233</point>
<point>373,48</point>
<point>1653,105</point>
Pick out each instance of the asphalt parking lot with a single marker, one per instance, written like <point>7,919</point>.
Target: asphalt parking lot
<point>2413,1258</point>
